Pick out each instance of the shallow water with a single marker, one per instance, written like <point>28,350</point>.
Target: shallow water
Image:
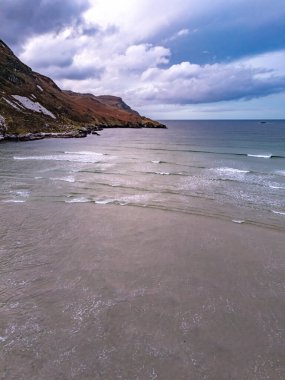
<point>107,272</point>
<point>234,170</point>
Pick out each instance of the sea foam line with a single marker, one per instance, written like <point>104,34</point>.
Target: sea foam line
<point>238,221</point>
<point>65,179</point>
<point>62,157</point>
<point>14,201</point>
<point>276,187</point>
<point>260,155</point>
<point>86,153</point>
<point>230,170</point>
<point>78,200</point>
<point>278,212</point>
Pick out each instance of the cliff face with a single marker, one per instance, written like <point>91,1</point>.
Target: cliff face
<point>32,106</point>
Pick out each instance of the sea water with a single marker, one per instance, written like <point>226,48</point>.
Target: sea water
<point>227,169</point>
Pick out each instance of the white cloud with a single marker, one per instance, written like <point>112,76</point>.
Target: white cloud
<point>137,20</point>
<point>180,33</point>
<point>117,57</point>
<point>272,61</point>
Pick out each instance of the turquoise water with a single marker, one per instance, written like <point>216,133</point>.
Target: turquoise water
<point>228,169</point>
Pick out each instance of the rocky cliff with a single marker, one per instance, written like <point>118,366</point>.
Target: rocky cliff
<point>32,106</point>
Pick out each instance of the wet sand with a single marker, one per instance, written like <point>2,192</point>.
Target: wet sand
<point>117,292</point>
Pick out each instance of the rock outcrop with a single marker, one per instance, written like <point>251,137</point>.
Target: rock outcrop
<point>33,107</point>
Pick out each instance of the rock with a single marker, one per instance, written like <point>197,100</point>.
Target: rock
<point>41,135</point>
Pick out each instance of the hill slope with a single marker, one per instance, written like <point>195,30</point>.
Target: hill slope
<point>32,106</point>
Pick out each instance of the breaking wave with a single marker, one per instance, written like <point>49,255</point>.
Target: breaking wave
<point>262,155</point>
<point>83,157</point>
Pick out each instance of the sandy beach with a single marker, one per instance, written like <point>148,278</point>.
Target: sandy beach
<point>131,294</point>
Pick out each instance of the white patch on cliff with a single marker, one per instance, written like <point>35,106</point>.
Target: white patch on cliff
<point>33,106</point>
<point>40,88</point>
<point>3,127</point>
<point>12,104</point>
<point>2,121</point>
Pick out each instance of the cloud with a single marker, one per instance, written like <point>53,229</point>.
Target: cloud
<point>188,83</point>
<point>47,50</point>
<point>190,53</point>
<point>180,33</point>
<point>22,19</point>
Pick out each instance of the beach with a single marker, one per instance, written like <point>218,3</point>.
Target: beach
<point>139,295</point>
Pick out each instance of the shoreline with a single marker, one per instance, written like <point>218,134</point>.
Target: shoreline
<point>76,133</point>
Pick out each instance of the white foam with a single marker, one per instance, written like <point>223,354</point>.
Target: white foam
<point>260,155</point>
<point>14,201</point>
<point>65,179</point>
<point>62,157</point>
<point>105,201</point>
<point>231,171</point>
<point>156,162</point>
<point>276,187</point>
<point>86,153</point>
<point>22,193</point>
<point>78,200</point>
<point>162,173</point>
<point>239,221</point>
<point>111,201</point>
<point>278,212</point>
<point>280,172</point>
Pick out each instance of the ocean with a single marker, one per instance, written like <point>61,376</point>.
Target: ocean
<point>227,169</point>
<point>144,254</point>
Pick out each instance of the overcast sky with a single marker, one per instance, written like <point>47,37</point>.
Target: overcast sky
<point>185,59</point>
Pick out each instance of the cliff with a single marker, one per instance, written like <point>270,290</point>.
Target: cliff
<point>32,106</point>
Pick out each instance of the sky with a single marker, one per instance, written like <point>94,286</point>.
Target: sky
<point>184,59</point>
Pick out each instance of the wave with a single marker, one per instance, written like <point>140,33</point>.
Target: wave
<point>104,201</point>
<point>280,172</point>
<point>168,173</point>
<point>78,200</point>
<point>63,157</point>
<point>87,153</point>
<point>226,170</point>
<point>276,187</point>
<point>14,201</point>
<point>111,201</point>
<point>162,173</point>
<point>21,193</point>
<point>261,155</point>
<point>65,179</point>
<point>278,212</point>
<point>164,162</point>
